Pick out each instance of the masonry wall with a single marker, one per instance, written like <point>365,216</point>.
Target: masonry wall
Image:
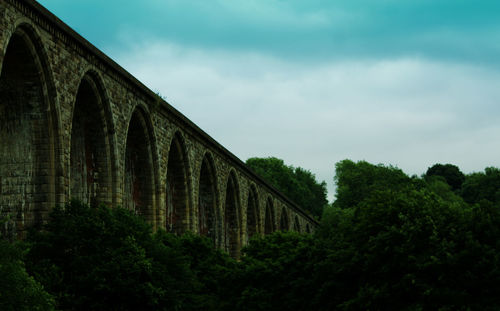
<point>75,124</point>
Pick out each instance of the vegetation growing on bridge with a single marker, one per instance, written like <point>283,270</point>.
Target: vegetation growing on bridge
<point>389,241</point>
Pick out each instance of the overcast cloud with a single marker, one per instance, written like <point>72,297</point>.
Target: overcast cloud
<point>407,83</point>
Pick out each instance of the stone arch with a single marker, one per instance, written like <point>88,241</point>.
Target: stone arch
<point>269,217</point>
<point>91,152</point>
<point>231,216</point>
<point>252,212</point>
<point>284,222</point>
<point>308,228</point>
<point>178,186</point>
<point>296,224</point>
<point>139,178</point>
<point>207,199</point>
<point>29,133</point>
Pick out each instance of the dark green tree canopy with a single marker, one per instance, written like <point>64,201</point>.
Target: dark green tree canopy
<point>296,183</point>
<point>409,243</point>
<point>97,258</point>
<point>389,241</point>
<point>482,186</point>
<point>19,290</point>
<point>357,180</point>
<point>451,174</point>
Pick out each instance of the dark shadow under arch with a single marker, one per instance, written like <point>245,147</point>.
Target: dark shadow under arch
<point>91,150</point>
<point>252,213</point>
<point>284,223</point>
<point>28,134</point>
<point>308,228</point>
<point>177,187</point>
<point>139,176</point>
<point>296,224</point>
<point>207,201</point>
<point>269,217</point>
<point>231,216</point>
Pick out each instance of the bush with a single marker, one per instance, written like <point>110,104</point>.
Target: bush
<point>277,272</point>
<point>18,290</point>
<point>96,258</point>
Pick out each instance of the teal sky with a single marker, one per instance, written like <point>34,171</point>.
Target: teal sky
<point>407,83</point>
<point>303,30</point>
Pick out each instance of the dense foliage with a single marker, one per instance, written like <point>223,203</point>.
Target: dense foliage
<point>482,186</point>
<point>18,290</point>
<point>296,183</point>
<point>389,241</point>
<point>357,181</point>
<point>451,174</point>
<point>108,259</point>
<point>410,243</point>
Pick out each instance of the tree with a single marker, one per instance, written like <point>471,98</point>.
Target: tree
<point>356,181</point>
<point>451,174</point>
<point>298,184</point>
<point>408,249</point>
<point>482,186</point>
<point>96,258</point>
<point>19,290</point>
<point>390,241</point>
<point>276,273</point>
<point>214,272</point>
<point>408,244</point>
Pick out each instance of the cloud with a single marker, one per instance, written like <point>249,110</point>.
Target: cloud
<point>409,83</point>
<point>409,112</point>
<point>301,31</point>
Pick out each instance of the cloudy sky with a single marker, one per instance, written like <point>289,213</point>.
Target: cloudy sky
<point>400,82</point>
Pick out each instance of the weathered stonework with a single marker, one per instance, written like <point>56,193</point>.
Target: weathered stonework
<point>75,124</point>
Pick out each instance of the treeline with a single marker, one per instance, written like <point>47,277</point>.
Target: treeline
<point>389,242</point>
<point>413,243</point>
<point>97,258</point>
<point>298,184</point>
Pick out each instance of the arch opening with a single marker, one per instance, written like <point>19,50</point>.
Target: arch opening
<point>231,223</point>
<point>252,214</point>
<point>207,220</point>
<point>90,180</point>
<point>284,224</point>
<point>269,218</point>
<point>26,144</point>
<point>138,193</point>
<point>308,229</point>
<point>177,198</point>
<point>296,225</point>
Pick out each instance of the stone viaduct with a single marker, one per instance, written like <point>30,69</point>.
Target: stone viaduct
<point>73,123</point>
